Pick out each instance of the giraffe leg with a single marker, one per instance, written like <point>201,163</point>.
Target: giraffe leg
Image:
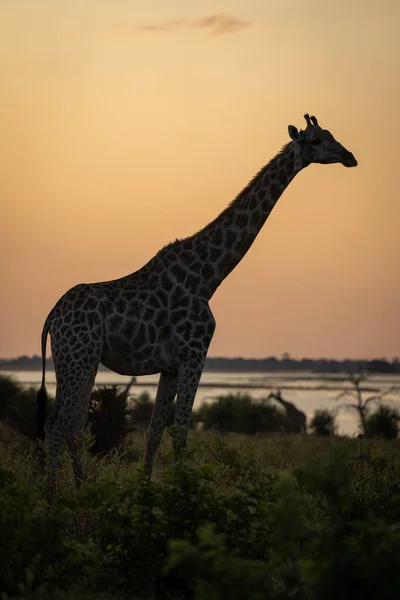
<point>68,418</point>
<point>76,343</point>
<point>75,450</point>
<point>75,433</point>
<point>166,393</point>
<point>189,378</point>
<point>53,441</point>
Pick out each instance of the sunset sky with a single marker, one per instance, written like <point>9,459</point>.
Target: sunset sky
<point>127,124</point>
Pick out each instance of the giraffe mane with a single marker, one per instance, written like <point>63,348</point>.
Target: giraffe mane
<point>257,176</point>
<point>233,202</point>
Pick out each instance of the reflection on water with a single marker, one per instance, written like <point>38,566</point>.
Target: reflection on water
<point>307,391</point>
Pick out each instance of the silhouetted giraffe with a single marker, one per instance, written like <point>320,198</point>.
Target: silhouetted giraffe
<point>157,319</point>
<point>295,418</point>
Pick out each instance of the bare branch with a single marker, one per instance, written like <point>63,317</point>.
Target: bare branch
<point>349,396</point>
<point>372,399</point>
<point>379,397</point>
<point>349,407</point>
<point>344,394</point>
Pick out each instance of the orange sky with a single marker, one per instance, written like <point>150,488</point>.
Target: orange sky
<point>127,124</point>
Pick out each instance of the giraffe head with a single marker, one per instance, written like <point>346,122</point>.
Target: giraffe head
<point>317,145</point>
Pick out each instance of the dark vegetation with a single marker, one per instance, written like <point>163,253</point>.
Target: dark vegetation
<point>323,423</point>
<point>239,413</point>
<point>384,422</point>
<point>267,516</point>
<point>285,363</point>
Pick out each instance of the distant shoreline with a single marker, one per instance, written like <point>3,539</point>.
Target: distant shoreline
<point>249,365</point>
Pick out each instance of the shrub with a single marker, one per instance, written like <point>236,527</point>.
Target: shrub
<point>240,414</point>
<point>107,418</point>
<point>33,545</point>
<point>141,411</point>
<point>9,388</point>
<point>323,423</point>
<point>18,406</point>
<point>138,520</point>
<point>271,517</point>
<point>216,572</point>
<point>384,423</point>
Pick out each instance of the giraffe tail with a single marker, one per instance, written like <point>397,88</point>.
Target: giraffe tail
<point>41,396</point>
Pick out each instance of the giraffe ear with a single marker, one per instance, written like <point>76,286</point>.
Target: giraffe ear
<point>293,132</point>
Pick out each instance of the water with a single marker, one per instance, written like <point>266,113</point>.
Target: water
<point>308,391</point>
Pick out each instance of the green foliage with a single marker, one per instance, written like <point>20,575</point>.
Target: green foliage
<point>240,414</point>
<point>355,560</point>
<point>140,518</point>
<point>323,423</point>
<point>107,418</point>
<point>242,517</point>
<point>18,406</point>
<point>34,553</point>
<point>383,423</point>
<point>9,388</point>
<point>354,550</point>
<point>216,572</point>
<point>141,411</point>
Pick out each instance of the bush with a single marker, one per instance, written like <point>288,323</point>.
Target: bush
<point>139,519</point>
<point>107,415</point>
<point>240,414</point>
<point>323,423</point>
<point>242,517</point>
<point>354,551</point>
<point>141,411</point>
<point>9,388</point>
<point>384,423</point>
<point>107,418</point>
<point>34,552</point>
<point>216,572</point>
<point>18,406</point>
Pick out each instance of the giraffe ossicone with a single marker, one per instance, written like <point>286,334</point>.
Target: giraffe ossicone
<point>158,319</point>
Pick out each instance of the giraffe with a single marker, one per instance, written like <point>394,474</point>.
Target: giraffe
<point>158,319</point>
<point>296,419</point>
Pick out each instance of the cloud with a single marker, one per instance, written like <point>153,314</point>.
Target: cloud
<point>216,24</point>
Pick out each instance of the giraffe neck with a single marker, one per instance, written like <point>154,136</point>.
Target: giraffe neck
<point>212,253</point>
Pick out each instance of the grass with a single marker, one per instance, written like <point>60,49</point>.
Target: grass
<point>247,517</point>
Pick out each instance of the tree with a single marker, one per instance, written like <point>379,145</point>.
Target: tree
<point>358,403</point>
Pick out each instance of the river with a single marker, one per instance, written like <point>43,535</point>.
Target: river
<point>308,391</point>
